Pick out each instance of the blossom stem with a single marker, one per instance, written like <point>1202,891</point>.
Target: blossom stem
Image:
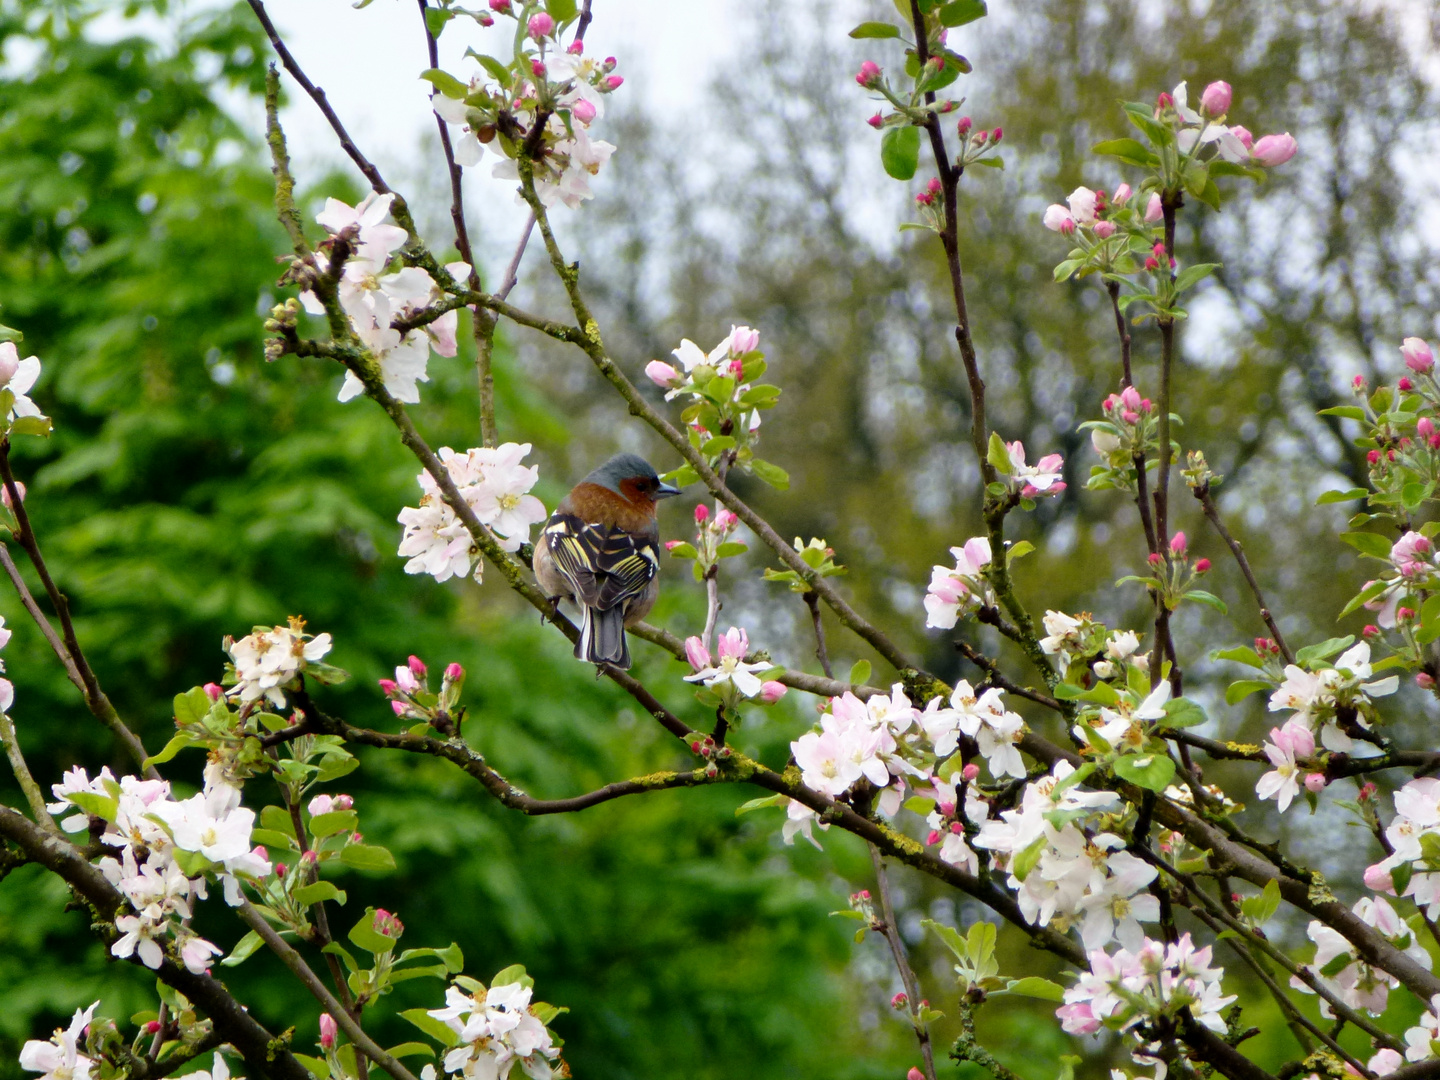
<point>95,699</point>
<point>812,601</point>
<point>301,970</point>
<point>1212,513</point>
<point>995,678</point>
<point>890,931</point>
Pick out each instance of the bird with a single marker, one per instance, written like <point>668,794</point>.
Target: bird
<point>600,549</point>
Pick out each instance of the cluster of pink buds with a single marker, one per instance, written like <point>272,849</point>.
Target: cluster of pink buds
<point>1158,258</point>
<point>861,902</point>
<point>900,1002</point>
<point>387,925</point>
<point>1266,647</point>
<point>706,748</point>
<point>712,539</point>
<point>930,194</point>
<point>327,804</point>
<point>869,75</point>
<point>411,698</point>
<point>1127,406</point>
<point>975,146</point>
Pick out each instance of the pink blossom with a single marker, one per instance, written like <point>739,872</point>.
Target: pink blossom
<point>583,111</point>
<point>540,25</point>
<point>696,653</point>
<point>662,374</point>
<point>406,680</point>
<point>1104,229</point>
<point>733,645</point>
<point>1082,205</point>
<point>454,672</point>
<point>869,74</point>
<point>876,121</point>
<point>1315,783</point>
<point>1385,1061</point>
<point>1272,150</point>
<point>1154,210</point>
<point>1058,219</point>
<point>725,520</point>
<point>772,691</point>
<point>1177,544</point>
<point>19,490</point>
<point>971,771</point>
<point>1215,101</point>
<point>328,1029</point>
<point>1122,195</point>
<point>1243,134</point>
<point>213,691</point>
<point>1378,879</point>
<point>1417,354</point>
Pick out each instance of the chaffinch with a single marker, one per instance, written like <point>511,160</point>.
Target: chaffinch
<point>601,549</point>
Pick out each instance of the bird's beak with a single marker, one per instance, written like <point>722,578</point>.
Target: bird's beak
<point>665,491</point>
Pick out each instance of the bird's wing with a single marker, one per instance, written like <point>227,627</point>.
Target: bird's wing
<point>605,566</point>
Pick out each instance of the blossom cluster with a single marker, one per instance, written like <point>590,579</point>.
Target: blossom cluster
<point>373,298</point>
<point>727,674</point>
<point>1147,982</point>
<point>1341,971</point>
<point>17,377</point>
<point>959,590</point>
<point>166,848</point>
<point>411,699</point>
<point>59,1057</point>
<point>495,485</point>
<point>1318,695</point>
<point>1413,867</point>
<point>271,658</point>
<point>712,540</point>
<point>498,1028</point>
<point>1042,478</point>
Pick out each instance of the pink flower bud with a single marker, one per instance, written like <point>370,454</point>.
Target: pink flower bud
<point>933,186</point>
<point>864,894</point>
<point>946,808</point>
<point>5,493</point>
<point>320,804</point>
<point>924,198</point>
<point>1404,384</point>
<point>997,135</point>
<point>981,137</point>
<point>1272,150</point>
<point>957,828</point>
<point>671,545</point>
<point>328,1030</point>
<point>1417,354</point>
<point>583,111</point>
<point>398,707</point>
<point>389,687</point>
<point>1177,544</point>
<point>152,1027</point>
<point>1370,631</point>
<point>614,82</point>
<point>876,121</point>
<point>725,520</point>
<point>1425,681</point>
<point>1373,457</point>
<point>772,691</point>
<point>899,1001</point>
<point>1104,229</point>
<point>869,74</point>
<point>696,653</point>
<point>733,644</point>
<point>1215,101</point>
<point>405,679</point>
<point>260,853</point>
<point>388,925</point>
<point>1315,783</point>
<point>662,374</point>
<point>454,672</point>
<point>343,802</point>
<point>1378,879</point>
<point>280,869</point>
<point>914,1074</point>
<point>933,838</point>
<point>502,6</point>
<point>1152,263</point>
<point>1202,566</point>
<point>1164,101</point>
<point>537,68</point>
<point>964,126</point>
<point>213,691</point>
<point>540,25</point>
<point>576,48</point>
<point>1243,134</point>
<point>1122,195</point>
<point>1154,559</point>
<point>1067,227</point>
<point>484,19</point>
<point>702,514</point>
<point>417,667</point>
<point>1404,614</point>
<point>310,858</point>
<point>971,771</point>
<point>1154,209</point>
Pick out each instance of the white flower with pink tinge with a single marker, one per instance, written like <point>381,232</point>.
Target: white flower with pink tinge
<point>1286,747</point>
<point>60,1058</point>
<point>1420,1040</point>
<point>1042,478</point>
<point>18,376</point>
<point>1357,984</point>
<point>729,668</point>
<point>953,590</point>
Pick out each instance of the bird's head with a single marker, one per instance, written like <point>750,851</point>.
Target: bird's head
<point>632,478</point>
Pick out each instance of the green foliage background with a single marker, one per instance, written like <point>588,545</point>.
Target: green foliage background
<point>191,490</point>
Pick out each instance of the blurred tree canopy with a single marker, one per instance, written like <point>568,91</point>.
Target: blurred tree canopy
<point>191,490</point>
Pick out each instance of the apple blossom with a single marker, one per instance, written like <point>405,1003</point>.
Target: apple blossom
<point>1417,354</point>
<point>953,590</point>
<point>268,660</point>
<point>1058,219</point>
<point>1154,209</point>
<point>1272,150</point>
<point>731,671</point>
<point>1215,101</point>
<point>60,1058</point>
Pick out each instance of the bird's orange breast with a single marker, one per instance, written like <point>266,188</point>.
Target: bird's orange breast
<point>593,503</point>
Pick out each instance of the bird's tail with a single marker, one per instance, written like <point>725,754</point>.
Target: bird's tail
<point>602,637</point>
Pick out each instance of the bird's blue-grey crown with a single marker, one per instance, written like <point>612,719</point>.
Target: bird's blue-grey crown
<point>628,467</point>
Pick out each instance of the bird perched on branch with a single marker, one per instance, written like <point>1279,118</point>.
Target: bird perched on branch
<point>601,549</point>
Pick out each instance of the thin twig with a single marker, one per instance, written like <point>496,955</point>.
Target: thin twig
<point>812,601</point>
<point>301,970</point>
<point>1212,513</point>
<point>891,932</point>
<point>992,673</point>
<point>21,769</point>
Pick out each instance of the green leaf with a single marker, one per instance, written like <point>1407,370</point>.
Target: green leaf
<point>411,1049</point>
<point>1064,270</point>
<point>960,12</point>
<point>273,838</point>
<point>102,806</point>
<point>498,71</point>
<point>1067,691</point>
<point>1018,551</point>
<point>718,444</point>
<point>1368,543</point>
<point>244,949</point>
<point>1130,150</point>
<point>981,942</point>
<point>730,549</point>
<point>1182,713</point>
<point>323,825</point>
<point>875,30</point>
<point>1193,275</point>
<point>446,83</point>
<point>191,706</point>
<point>369,857</point>
<point>1025,860</point>
<point>1241,654</point>
<point>318,1067</point>
<point>1102,693</point>
<point>1364,596</point>
<point>1210,194</point>
<point>1150,771</point>
<point>318,891</point>
<point>1036,987</point>
<point>173,747</point>
<point>562,10</point>
<point>1238,691</point>
<point>998,454</point>
<point>683,550</point>
<point>336,949</point>
<point>773,475</point>
<point>515,973</point>
<point>1337,965</point>
<point>435,20</point>
<point>436,1029</point>
<point>918,804</point>
<point>30,425</point>
<point>993,162</point>
<point>1324,650</point>
<point>1261,908</point>
<point>760,804</point>
<point>364,934</point>
<point>860,673</point>
<point>1348,412</point>
<point>1344,495</point>
<point>1209,599</point>
<point>950,936</point>
<point>900,151</point>
<point>849,913</point>
<point>1414,493</point>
